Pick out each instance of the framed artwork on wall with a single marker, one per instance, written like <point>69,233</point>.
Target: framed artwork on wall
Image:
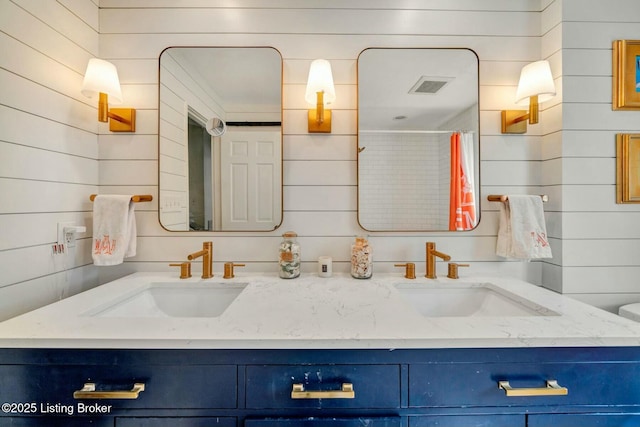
<point>628,168</point>
<point>626,75</point>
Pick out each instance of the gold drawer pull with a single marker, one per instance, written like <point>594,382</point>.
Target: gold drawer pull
<point>89,392</point>
<point>552,389</point>
<point>346,392</point>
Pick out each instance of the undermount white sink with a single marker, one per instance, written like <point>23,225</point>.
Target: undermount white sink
<point>468,300</point>
<point>173,300</point>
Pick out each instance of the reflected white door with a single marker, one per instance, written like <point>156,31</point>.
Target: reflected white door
<point>251,180</point>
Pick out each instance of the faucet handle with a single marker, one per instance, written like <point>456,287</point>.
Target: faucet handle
<point>453,270</point>
<point>228,269</point>
<point>410,270</point>
<point>185,269</point>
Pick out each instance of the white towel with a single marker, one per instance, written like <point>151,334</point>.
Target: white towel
<point>114,229</point>
<point>522,233</point>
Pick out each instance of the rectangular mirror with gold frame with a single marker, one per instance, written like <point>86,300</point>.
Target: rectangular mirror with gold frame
<point>628,168</point>
<point>220,139</point>
<point>418,139</point>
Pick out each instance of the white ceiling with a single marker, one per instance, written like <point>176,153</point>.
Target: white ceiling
<point>242,79</point>
<point>385,77</point>
<point>239,78</point>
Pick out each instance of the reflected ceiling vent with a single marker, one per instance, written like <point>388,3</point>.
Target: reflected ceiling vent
<point>430,85</point>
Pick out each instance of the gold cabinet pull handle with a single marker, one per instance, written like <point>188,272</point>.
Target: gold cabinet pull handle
<point>345,392</point>
<point>89,392</point>
<point>552,389</point>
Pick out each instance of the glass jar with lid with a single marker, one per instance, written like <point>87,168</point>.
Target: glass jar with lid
<point>361,258</point>
<point>289,257</point>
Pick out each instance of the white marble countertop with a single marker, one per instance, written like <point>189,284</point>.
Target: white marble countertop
<point>313,312</point>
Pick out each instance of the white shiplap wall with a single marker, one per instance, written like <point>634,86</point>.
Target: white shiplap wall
<point>600,257</point>
<point>48,149</point>
<point>320,170</point>
<point>47,173</point>
<point>179,90</point>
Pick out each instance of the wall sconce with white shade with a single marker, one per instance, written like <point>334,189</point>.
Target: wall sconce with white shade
<point>320,91</point>
<point>535,86</point>
<point>101,78</point>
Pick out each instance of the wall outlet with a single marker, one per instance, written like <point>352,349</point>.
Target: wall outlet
<point>67,233</point>
<point>61,233</point>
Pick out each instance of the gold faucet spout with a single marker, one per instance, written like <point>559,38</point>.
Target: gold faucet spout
<point>444,257</point>
<point>432,253</point>
<point>207,259</point>
<point>197,254</point>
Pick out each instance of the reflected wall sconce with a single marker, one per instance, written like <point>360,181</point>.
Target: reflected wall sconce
<point>101,78</point>
<point>535,86</point>
<point>320,91</point>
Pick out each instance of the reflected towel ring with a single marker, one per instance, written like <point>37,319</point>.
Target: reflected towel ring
<point>216,126</point>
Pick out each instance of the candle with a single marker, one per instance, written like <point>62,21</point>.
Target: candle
<point>324,266</point>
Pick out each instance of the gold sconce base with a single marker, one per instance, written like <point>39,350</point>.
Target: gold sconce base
<point>514,121</point>
<point>319,127</point>
<point>122,120</point>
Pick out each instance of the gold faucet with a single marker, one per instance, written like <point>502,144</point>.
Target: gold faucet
<point>185,269</point>
<point>228,270</point>
<point>207,259</point>
<point>409,270</point>
<point>432,253</point>
<point>453,270</point>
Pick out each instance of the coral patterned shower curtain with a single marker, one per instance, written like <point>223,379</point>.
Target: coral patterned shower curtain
<point>462,204</point>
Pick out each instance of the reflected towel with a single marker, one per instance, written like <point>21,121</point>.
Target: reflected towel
<point>455,196</point>
<point>114,229</point>
<point>462,207</point>
<point>522,232</point>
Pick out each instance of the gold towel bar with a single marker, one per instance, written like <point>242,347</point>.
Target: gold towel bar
<point>504,198</point>
<point>137,198</point>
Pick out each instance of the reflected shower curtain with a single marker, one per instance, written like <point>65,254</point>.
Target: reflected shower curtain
<point>462,201</point>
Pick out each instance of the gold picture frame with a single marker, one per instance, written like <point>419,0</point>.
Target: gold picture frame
<point>626,75</point>
<point>628,168</point>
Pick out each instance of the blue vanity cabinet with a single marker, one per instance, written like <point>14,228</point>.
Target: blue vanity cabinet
<point>467,385</point>
<point>326,422</point>
<point>323,395</point>
<point>169,421</point>
<point>55,422</point>
<point>52,387</point>
<point>475,420</point>
<point>95,387</point>
<point>559,387</point>
<point>53,390</point>
<point>585,420</point>
<point>324,388</point>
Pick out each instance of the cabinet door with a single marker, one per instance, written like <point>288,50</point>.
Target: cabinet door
<point>374,386</point>
<point>493,420</point>
<point>56,422</point>
<point>164,386</point>
<point>584,420</point>
<point>469,384</point>
<point>325,422</point>
<point>176,422</point>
